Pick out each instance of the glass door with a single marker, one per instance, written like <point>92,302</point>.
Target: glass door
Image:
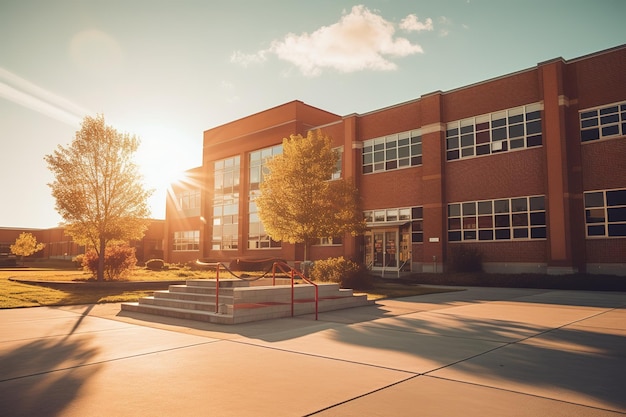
<point>381,248</point>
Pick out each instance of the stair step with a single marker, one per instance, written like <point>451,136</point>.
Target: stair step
<point>182,304</point>
<point>179,313</point>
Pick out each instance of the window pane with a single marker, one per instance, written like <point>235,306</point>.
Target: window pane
<point>502,220</point>
<point>616,198</point>
<point>501,206</point>
<point>533,141</point>
<point>454,236</point>
<point>417,213</point>
<point>498,134</point>
<point>516,131</point>
<point>520,219</point>
<point>594,199</point>
<point>502,234</point>
<point>617,214</point>
<point>537,203</point>
<point>595,230</point>
<point>538,233</point>
<point>485,235</point>
<point>617,229</point>
<point>484,207</point>
<point>595,215</point>
<point>519,204</point>
<point>610,130</point>
<point>454,224</point>
<point>520,233</point>
<point>469,235</point>
<point>469,208</point>
<point>454,210</point>
<point>538,218</point>
<point>485,222</point>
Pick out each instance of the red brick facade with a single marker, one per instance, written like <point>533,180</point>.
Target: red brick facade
<point>539,181</point>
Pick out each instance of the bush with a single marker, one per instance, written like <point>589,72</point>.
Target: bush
<point>343,271</point>
<point>119,260</point>
<point>465,259</point>
<point>155,264</point>
<point>78,259</point>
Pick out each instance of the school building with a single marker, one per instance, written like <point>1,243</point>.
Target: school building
<point>528,168</point>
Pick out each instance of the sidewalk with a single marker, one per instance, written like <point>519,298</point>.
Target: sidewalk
<point>476,352</point>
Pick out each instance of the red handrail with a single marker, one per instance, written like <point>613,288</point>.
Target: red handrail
<point>294,272</point>
<point>281,266</point>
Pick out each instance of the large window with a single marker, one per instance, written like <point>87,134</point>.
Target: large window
<point>226,204</point>
<point>503,131</point>
<point>188,240</point>
<point>395,151</point>
<point>605,213</point>
<point>503,219</point>
<point>257,237</point>
<point>603,122</point>
<point>188,202</point>
<point>395,216</point>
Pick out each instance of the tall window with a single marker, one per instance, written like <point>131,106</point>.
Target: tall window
<point>337,172</point>
<point>603,122</point>
<point>257,237</point>
<point>226,204</point>
<point>502,131</point>
<point>395,151</point>
<point>605,213</point>
<point>503,219</point>
<point>188,202</point>
<point>188,240</point>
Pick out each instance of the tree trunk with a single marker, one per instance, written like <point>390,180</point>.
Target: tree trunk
<point>100,273</point>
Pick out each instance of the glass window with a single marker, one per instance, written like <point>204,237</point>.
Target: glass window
<point>601,123</point>
<point>502,219</point>
<point>392,152</point>
<point>605,213</point>
<point>515,128</point>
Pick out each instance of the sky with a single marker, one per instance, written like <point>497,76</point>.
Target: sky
<point>166,71</point>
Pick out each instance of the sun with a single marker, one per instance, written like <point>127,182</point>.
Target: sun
<point>161,161</point>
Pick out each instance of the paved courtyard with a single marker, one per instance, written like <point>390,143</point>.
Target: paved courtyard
<point>475,352</point>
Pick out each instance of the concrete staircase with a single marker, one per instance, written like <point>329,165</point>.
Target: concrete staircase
<point>244,301</point>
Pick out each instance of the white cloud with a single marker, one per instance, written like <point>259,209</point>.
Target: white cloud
<point>412,24</point>
<point>360,40</point>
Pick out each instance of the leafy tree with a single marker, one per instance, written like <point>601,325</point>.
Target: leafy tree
<point>25,245</point>
<point>98,189</point>
<point>298,202</point>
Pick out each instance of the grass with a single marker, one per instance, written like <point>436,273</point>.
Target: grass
<point>15,294</point>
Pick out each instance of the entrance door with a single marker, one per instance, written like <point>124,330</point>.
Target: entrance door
<point>383,249</point>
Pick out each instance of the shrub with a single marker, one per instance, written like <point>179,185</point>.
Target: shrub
<point>466,259</point>
<point>155,264</point>
<point>78,259</point>
<point>343,271</point>
<point>119,260</point>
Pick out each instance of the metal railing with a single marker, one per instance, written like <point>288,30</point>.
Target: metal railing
<point>278,265</point>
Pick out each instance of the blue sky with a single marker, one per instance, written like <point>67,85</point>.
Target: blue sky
<point>168,70</point>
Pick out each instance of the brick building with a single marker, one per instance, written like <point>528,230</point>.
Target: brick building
<point>59,245</point>
<point>527,168</point>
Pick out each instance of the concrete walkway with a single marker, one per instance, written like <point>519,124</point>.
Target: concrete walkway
<point>477,352</point>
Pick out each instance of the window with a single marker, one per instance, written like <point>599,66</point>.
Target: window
<point>412,215</point>
<point>502,219</point>
<point>257,237</point>
<point>605,213</point>
<point>337,173</point>
<point>603,122</point>
<point>188,240</point>
<point>506,130</point>
<point>188,202</point>
<point>329,241</point>
<point>400,150</point>
<point>226,204</point>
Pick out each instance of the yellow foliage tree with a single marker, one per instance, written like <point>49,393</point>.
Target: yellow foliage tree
<point>25,245</point>
<point>298,202</point>
<point>97,187</point>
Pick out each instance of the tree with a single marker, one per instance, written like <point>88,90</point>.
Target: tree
<point>25,245</point>
<point>97,187</point>
<point>298,201</point>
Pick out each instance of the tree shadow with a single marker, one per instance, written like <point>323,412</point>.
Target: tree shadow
<point>40,377</point>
